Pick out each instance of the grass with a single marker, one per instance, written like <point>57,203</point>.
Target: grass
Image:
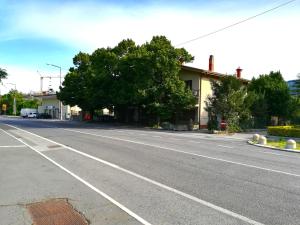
<point>281,144</point>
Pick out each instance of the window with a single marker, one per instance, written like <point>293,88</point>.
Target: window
<point>188,84</point>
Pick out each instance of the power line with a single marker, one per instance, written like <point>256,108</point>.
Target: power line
<point>237,23</point>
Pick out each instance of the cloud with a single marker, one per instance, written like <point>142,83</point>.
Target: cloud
<point>269,42</point>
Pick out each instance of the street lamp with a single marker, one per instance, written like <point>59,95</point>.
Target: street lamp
<point>60,103</point>
<point>15,104</point>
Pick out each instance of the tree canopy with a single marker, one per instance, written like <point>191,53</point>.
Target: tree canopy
<point>3,74</point>
<point>128,75</point>
<point>230,102</point>
<point>21,102</point>
<point>272,96</point>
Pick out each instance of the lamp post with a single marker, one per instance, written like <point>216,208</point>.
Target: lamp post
<point>60,103</point>
<point>15,104</point>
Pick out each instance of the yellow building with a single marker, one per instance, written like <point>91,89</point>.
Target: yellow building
<point>199,81</point>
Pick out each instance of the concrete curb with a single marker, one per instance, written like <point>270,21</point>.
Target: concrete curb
<point>273,148</point>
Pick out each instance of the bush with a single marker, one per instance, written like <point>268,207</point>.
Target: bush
<point>285,131</point>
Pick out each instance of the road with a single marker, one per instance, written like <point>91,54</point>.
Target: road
<point>119,175</point>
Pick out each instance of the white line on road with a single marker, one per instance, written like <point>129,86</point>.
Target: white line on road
<point>183,194</point>
<point>176,139</point>
<point>197,142</point>
<point>12,146</point>
<point>184,152</point>
<point>124,208</point>
<point>224,146</point>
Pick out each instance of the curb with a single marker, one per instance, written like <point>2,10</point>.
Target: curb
<point>273,148</point>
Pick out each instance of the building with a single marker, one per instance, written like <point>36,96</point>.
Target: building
<point>293,88</point>
<point>50,105</point>
<point>199,81</point>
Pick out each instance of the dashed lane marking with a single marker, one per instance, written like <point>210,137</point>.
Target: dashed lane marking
<point>12,146</point>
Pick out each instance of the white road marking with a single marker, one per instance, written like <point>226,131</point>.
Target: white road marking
<point>271,153</point>
<point>156,136</point>
<point>183,194</point>
<point>124,208</point>
<point>224,146</point>
<point>189,153</point>
<point>176,139</point>
<point>12,146</point>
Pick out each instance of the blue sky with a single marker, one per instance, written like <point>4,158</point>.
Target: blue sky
<point>33,33</point>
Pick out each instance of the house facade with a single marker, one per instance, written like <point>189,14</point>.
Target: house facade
<point>199,81</point>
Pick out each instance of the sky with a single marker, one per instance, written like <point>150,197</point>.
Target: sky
<point>35,33</point>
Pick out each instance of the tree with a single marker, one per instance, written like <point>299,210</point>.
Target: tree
<point>272,97</point>
<point>3,74</point>
<point>77,84</point>
<point>294,110</point>
<point>230,102</point>
<point>165,95</point>
<point>8,99</point>
<point>143,77</point>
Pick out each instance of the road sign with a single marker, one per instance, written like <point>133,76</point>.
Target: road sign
<point>4,107</point>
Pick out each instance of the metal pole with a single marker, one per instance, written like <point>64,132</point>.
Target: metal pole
<point>15,106</point>
<point>60,103</point>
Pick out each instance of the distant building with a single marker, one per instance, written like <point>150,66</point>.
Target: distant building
<point>50,105</point>
<point>292,87</point>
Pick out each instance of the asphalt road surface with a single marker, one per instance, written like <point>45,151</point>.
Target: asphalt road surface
<point>118,175</point>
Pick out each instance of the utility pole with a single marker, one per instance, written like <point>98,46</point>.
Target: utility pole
<point>60,103</point>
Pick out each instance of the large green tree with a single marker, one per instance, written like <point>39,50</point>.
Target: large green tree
<point>145,77</point>
<point>272,97</point>
<point>230,102</point>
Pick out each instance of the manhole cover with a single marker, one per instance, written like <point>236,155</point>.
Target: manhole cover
<point>55,212</point>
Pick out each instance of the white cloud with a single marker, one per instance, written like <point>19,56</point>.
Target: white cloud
<point>269,42</point>
<point>27,80</point>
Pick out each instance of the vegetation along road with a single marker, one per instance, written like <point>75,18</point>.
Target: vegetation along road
<point>116,175</point>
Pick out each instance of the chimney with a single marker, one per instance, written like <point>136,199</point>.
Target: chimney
<point>239,72</point>
<point>211,63</point>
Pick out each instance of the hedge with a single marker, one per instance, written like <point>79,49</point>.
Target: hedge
<point>285,131</point>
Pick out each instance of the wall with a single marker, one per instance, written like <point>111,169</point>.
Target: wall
<point>205,92</point>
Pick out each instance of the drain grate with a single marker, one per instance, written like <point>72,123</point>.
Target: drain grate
<point>55,212</point>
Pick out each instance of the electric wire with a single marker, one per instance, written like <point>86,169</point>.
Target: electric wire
<point>237,23</point>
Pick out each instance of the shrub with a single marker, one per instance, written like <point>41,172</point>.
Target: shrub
<point>285,131</point>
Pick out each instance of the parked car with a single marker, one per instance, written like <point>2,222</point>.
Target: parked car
<point>32,115</point>
<point>26,111</point>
